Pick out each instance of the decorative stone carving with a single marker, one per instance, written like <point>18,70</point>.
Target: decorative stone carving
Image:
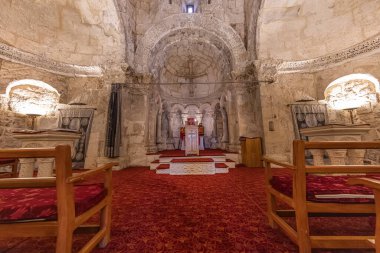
<point>31,96</point>
<point>16,55</point>
<point>265,70</point>
<point>326,61</point>
<point>351,93</point>
<point>195,168</point>
<point>317,156</point>
<point>137,83</point>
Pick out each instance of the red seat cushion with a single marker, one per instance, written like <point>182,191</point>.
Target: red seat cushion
<point>327,189</point>
<point>41,203</point>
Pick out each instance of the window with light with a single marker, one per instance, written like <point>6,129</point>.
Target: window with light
<point>190,8</point>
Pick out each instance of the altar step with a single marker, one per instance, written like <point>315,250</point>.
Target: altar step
<point>204,165</point>
<point>156,163</point>
<point>218,168</point>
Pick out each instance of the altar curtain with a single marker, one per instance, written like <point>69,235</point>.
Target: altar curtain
<point>112,143</point>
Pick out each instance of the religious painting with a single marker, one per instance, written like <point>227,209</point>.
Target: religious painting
<point>308,115</point>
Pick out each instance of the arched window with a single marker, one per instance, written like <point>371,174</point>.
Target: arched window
<point>352,91</point>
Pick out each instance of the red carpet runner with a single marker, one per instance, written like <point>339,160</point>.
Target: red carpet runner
<point>217,213</point>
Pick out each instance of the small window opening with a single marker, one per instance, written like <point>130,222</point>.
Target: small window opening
<point>170,1</point>
<point>209,2</point>
<point>190,8</point>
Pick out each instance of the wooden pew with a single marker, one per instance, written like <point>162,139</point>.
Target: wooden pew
<point>375,185</point>
<point>13,163</point>
<point>67,220</point>
<point>303,208</point>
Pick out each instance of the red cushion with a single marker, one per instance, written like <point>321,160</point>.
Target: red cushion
<point>317,187</point>
<point>41,203</point>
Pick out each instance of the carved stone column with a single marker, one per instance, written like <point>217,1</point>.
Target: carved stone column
<point>317,156</point>
<point>337,156</point>
<point>152,134</point>
<point>159,134</point>
<point>355,156</point>
<point>26,167</point>
<point>45,167</point>
<point>225,137</point>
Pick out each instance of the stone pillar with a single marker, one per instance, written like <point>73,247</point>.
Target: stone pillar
<point>317,156</point>
<point>151,106</point>
<point>225,137</point>
<point>159,134</point>
<point>241,111</point>
<point>337,156</point>
<point>45,167</point>
<point>233,125</point>
<point>26,167</point>
<point>355,156</point>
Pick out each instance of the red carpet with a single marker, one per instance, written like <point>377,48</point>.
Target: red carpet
<point>218,213</point>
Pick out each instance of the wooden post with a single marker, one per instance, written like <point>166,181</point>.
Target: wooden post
<point>377,231</point>
<point>105,215</point>
<point>271,201</point>
<point>65,200</point>
<point>299,193</point>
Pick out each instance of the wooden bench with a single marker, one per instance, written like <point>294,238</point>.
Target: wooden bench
<point>68,201</point>
<point>13,163</point>
<point>375,185</point>
<point>302,208</point>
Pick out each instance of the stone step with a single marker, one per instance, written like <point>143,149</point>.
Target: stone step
<point>192,160</point>
<point>167,159</point>
<point>163,166</point>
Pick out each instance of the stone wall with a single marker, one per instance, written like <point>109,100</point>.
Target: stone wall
<point>277,118</point>
<point>294,30</point>
<point>92,92</point>
<point>127,13</point>
<point>251,9</point>
<point>77,32</point>
<point>290,87</point>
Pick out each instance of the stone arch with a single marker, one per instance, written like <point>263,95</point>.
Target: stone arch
<point>352,91</point>
<point>212,27</point>
<point>176,108</point>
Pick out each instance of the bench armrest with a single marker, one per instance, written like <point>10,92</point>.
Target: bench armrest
<point>279,163</point>
<point>369,182</point>
<point>91,172</point>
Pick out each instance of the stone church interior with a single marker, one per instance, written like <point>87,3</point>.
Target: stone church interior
<point>189,126</point>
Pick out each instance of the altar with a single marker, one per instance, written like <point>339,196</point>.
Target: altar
<point>337,132</point>
<point>43,138</point>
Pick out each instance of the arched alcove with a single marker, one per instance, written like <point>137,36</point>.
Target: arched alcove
<point>352,91</point>
<point>30,96</point>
